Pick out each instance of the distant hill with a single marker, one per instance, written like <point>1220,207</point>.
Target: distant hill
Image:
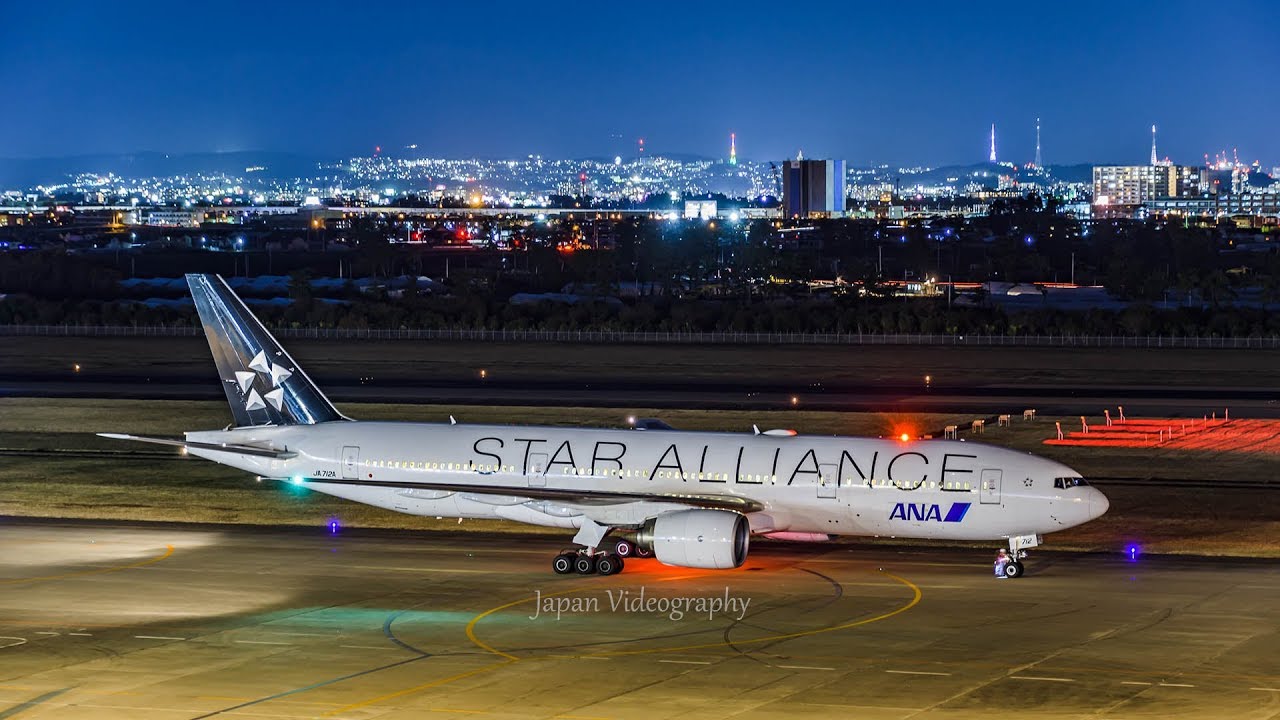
<point>939,175</point>
<point>26,172</point>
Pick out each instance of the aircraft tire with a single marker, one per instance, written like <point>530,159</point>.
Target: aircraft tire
<point>563,564</point>
<point>624,548</point>
<point>585,564</point>
<point>610,564</point>
<point>1014,569</point>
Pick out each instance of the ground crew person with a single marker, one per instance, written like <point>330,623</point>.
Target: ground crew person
<point>1002,559</point>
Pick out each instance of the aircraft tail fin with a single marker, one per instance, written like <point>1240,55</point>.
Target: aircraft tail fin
<point>264,386</point>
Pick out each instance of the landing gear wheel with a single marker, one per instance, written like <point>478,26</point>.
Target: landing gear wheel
<point>610,564</point>
<point>563,564</point>
<point>642,551</point>
<point>585,564</point>
<point>624,549</point>
<point>1014,569</point>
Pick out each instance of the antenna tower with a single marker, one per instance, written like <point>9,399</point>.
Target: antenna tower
<point>1037,142</point>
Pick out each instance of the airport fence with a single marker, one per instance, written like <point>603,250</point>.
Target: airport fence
<point>674,337</point>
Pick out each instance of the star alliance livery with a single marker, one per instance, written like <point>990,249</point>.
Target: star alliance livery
<point>690,499</point>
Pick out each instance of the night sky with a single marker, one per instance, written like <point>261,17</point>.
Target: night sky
<point>890,82</point>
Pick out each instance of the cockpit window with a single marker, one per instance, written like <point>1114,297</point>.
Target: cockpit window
<point>1070,482</point>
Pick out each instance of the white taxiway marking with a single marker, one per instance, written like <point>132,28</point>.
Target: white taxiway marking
<point>1133,682</point>
<point>1040,679</point>
<point>81,634</point>
<point>261,642</point>
<point>686,662</point>
<point>803,667</point>
<point>45,632</point>
<point>1266,689</point>
<point>16,641</point>
<point>917,672</point>
<point>578,657</point>
<point>1175,685</point>
<point>157,637</point>
<point>423,569</point>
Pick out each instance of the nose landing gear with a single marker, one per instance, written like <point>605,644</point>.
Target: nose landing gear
<point>1018,545</point>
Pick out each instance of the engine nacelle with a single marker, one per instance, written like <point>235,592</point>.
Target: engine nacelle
<point>711,539</point>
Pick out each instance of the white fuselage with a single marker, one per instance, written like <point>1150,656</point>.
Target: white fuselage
<point>800,484</point>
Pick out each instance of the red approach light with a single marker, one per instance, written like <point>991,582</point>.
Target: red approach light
<point>904,437</point>
<point>462,233</point>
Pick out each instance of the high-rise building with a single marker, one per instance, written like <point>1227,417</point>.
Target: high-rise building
<point>1122,188</point>
<point>813,188</point>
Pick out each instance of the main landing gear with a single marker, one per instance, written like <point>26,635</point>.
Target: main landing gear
<point>626,549</point>
<point>587,562</point>
<point>584,561</point>
<point>589,559</point>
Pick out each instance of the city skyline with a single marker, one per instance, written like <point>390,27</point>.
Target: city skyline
<point>327,79</point>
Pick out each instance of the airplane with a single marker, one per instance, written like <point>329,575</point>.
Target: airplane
<point>689,499</point>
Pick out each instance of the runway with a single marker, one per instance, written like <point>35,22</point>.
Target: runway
<point>109,620</point>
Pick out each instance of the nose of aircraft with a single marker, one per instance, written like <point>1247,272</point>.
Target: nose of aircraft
<point>1098,503</point>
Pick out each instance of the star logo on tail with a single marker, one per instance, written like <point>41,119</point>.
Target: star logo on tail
<point>276,375</point>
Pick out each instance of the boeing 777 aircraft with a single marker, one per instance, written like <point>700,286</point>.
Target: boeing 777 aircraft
<point>691,499</point>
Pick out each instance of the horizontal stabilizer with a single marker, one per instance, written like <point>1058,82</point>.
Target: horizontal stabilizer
<point>215,447</point>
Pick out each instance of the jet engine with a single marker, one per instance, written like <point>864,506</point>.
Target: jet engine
<point>711,539</point>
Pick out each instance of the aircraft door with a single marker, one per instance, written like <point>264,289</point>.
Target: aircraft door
<point>350,462</point>
<point>990,488</point>
<point>537,471</point>
<point>828,480</point>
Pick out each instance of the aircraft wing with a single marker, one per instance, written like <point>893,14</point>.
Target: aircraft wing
<point>215,447</point>
<point>582,496</point>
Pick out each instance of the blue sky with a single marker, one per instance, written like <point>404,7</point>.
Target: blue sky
<point>868,82</point>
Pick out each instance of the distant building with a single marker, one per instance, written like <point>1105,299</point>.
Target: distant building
<point>700,209</point>
<point>813,188</point>
<point>1250,203</point>
<point>166,218</point>
<point>1121,189</point>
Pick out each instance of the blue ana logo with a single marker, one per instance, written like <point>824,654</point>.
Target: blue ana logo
<point>927,512</point>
